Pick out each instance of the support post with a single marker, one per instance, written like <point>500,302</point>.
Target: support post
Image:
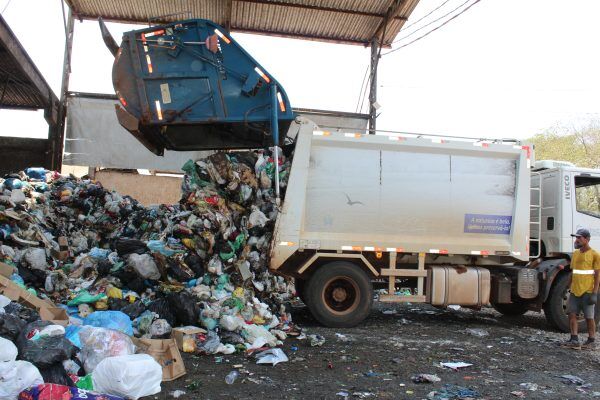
<point>373,87</point>
<point>275,133</point>
<point>59,139</point>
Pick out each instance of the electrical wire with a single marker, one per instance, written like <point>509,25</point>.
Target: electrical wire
<point>360,94</point>
<point>429,23</point>
<point>433,30</point>
<point>424,16</point>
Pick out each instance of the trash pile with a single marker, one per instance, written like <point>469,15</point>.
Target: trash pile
<point>89,277</point>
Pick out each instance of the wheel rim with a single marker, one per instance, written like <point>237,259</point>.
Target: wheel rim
<point>341,295</point>
<point>565,302</point>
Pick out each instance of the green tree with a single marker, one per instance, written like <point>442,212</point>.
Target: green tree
<point>579,145</point>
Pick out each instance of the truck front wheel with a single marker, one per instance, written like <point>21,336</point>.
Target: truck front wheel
<point>555,307</point>
<point>339,295</point>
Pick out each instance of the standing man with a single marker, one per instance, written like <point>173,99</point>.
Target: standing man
<point>585,279</point>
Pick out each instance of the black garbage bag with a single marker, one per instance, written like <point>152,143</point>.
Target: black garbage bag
<point>11,326</point>
<point>103,268</point>
<point>231,338</point>
<point>180,272</point>
<point>56,374</point>
<point>126,246</point>
<point>133,310</point>
<point>184,307</point>
<point>33,277</point>
<point>195,263</point>
<point>162,308</point>
<point>130,279</point>
<point>25,313</point>
<point>116,304</point>
<point>45,351</point>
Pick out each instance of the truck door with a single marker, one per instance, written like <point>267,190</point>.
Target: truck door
<point>586,205</point>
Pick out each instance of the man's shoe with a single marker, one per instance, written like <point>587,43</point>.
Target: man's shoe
<point>572,344</point>
<point>589,345</point>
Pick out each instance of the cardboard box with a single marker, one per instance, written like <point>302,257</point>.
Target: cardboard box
<point>56,315</point>
<point>14,292</point>
<point>6,270</point>
<point>166,353</point>
<point>185,337</point>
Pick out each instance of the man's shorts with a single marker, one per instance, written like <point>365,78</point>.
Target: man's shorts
<point>579,304</point>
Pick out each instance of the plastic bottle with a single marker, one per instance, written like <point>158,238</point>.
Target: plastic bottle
<point>231,377</point>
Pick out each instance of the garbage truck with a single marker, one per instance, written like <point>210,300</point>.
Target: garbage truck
<point>403,218</point>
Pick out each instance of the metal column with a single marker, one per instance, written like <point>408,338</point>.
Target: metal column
<point>58,144</point>
<point>275,133</point>
<point>373,88</point>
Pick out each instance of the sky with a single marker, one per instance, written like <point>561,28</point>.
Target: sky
<point>503,69</point>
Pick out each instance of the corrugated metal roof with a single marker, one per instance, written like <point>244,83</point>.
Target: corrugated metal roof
<point>340,21</point>
<point>21,83</point>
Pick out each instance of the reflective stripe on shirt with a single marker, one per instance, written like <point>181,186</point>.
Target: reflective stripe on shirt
<point>584,271</point>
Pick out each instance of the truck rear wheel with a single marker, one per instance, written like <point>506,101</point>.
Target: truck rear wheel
<point>555,307</point>
<point>511,309</point>
<point>339,295</point>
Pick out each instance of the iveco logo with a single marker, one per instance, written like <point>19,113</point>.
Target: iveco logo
<point>567,187</point>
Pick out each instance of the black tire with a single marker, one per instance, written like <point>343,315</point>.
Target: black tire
<point>511,309</point>
<point>555,307</point>
<point>339,295</point>
<point>300,285</point>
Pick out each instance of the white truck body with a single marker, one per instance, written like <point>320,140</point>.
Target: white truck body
<point>353,193</point>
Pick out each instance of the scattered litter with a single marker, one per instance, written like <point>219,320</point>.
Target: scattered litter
<point>477,332</point>
<point>177,393</point>
<point>231,377</point>
<point>518,393</point>
<point>572,379</point>
<point>532,387</point>
<point>271,356</point>
<point>316,340</point>
<point>425,378</point>
<point>455,365</point>
<point>344,338</point>
<point>450,391</point>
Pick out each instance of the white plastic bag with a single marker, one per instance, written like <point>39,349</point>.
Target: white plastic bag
<point>132,376</point>
<point>23,375</point>
<point>8,355</point>
<point>144,265</point>
<point>100,343</point>
<point>271,356</point>
<point>231,322</point>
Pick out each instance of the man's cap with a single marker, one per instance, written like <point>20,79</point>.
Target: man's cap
<point>582,232</point>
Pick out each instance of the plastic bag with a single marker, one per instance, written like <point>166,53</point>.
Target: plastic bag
<point>8,355</point>
<point>231,322</point>
<point>23,375</point>
<point>56,374</point>
<point>131,376</point>
<point>35,258</point>
<point>72,333</point>
<point>160,329</point>
<point>10,326</point>
<point>45,351</point>
<point>133,310</point>
<point>126,246</point>
<point>84,297</point>
<point>271,356</point>
<point>144,265</point>
<point>185,308</point>
<point>162,308</point>
<point>111,320</point>
<point>258,336</point>
<point>50,391</point>
<point>100,343</point>
<point>22,312</point>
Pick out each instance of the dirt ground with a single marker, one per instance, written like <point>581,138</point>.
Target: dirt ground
<point>378,358</point>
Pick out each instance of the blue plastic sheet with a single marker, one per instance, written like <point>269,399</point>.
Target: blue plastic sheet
<point>116,320</point>
<point>72,333</point>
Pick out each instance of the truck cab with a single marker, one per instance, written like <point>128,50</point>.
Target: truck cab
<point>570,199</point>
